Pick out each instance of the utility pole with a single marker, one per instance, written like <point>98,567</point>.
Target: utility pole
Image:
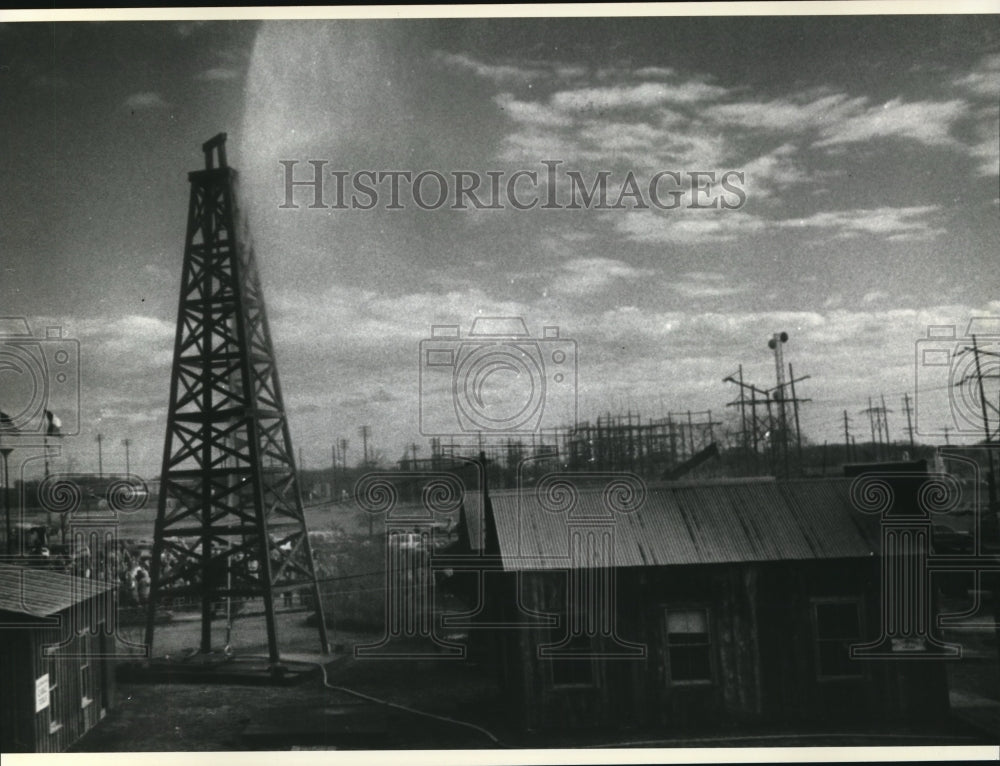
<point>991,485</point>
<point>673,438</point>
<point>690,431</point>
<point>364,432</point>
<point>877,423</point>
<point>885,424</point>
<point>795,406</point>
<point>775,343</point>
<point>743,422</point>
<point>128,467</point>
<point>993,581</point>
<point>100,457</point>
<point>871,421</point>
<point>413,451</point>
<point>333,471</point>
<point>947,441</point>
<point>909,423</point>
<point>742,402</point>
<point>847,438</point>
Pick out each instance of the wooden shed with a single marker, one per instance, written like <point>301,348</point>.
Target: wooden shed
<point>712,605</point>
<point>56,666</point>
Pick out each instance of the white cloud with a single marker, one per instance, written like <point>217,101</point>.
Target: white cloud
<point>498,73</point>
<point>928,122</point>
<point>618,136</point>
<point>773,171</point>
<point>787,114</point>
<point>645,95</point>
<point>581,276</point>
<point>699,226</point>
<point>535,142</point>
<point>531,112</point>
<point>985,79</point>
<point>652,72</point>
<point>987,149</point>
<point>146,100</point>
<point>689,227</point>
<point>702,284</point>
<point>841,119</point>
<point>217,74</point>
<point>568,72</point>
<point>895,223</point>
<point>874,296</point>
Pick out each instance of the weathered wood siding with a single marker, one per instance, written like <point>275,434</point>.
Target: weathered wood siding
<point>23,659</point>
<point>762,647</point>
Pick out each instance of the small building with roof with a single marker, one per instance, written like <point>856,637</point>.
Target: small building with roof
<point>56,657</point>
<point>688,606</point>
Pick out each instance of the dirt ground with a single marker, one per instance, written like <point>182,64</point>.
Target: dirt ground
<point>212,717</point>
<point>216,716</point>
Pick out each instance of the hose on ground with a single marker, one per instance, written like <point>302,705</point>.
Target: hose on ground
<point>387,703</point>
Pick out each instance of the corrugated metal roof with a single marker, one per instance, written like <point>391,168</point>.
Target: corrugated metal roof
<point>710,523</point>
<point>472,503</point>
<point>42,592</point>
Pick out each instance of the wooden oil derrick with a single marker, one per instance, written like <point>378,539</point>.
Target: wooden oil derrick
<point>230,512</point>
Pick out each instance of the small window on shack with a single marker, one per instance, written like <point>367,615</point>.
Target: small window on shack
<point>55,707</point>
<point>689,646</point>
<point>86,670</point>
<point>837,625</point>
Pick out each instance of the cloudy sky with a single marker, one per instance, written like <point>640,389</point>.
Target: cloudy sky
<point>869,148</point>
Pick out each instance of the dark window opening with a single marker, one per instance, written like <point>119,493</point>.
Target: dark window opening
<point>55,713</point>
<point>838,625</point>
<point>86,671</point>
<point>689,646</point>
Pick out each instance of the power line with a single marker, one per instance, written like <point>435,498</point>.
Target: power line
<point>909,419</point>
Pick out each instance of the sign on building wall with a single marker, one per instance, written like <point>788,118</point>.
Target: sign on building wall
<point>41,693</point>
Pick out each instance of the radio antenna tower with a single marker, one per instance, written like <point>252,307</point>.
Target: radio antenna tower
<point>230,509</point>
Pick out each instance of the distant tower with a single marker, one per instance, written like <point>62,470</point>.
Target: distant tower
<point>230,510</point>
